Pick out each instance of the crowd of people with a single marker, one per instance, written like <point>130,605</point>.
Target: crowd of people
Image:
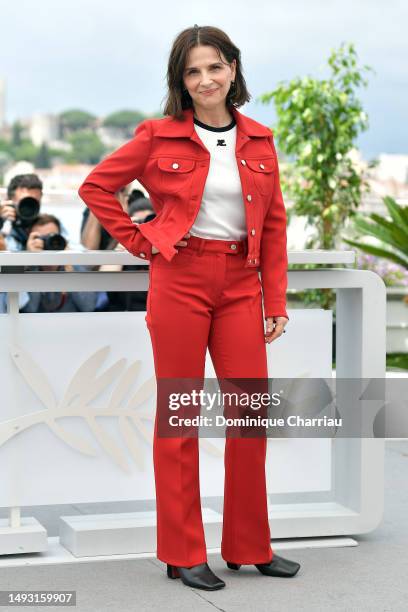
<point>23,227</point>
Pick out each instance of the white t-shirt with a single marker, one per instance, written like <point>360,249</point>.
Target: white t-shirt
<point>222,211</point>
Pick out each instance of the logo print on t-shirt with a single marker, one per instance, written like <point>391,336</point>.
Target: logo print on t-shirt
<point>221,143</point>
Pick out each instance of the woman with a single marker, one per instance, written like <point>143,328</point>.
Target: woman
<point>213,179</point>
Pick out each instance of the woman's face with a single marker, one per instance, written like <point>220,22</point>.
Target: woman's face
<point>205,72</point>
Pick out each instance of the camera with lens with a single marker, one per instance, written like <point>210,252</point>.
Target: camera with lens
<point>53,242</point>
<point>27,210</point>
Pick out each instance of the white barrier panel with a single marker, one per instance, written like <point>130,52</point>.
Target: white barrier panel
<point>78,410</point>
<point>78,401</point>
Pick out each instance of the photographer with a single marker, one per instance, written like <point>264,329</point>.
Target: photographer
<point>24,194</point>
<point>45,233</point>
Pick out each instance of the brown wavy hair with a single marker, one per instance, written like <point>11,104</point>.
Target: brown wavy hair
<point>178,98</point>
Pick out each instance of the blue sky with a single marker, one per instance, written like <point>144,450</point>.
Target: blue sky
<point>103,56</point>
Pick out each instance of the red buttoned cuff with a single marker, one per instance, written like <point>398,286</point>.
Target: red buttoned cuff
<point>141,248</point>
<point>281,314</point>
<point>275,310</point>
<point>153,237</point>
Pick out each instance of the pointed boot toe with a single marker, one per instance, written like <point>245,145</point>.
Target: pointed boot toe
<point>198,576</point>
<point>234,566</point>
<point>279,566</point>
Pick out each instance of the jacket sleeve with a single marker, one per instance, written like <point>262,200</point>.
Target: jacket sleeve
<point>115,171</point>
<point>274,258</point>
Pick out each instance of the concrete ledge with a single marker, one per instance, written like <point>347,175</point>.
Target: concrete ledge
<point>30,536</point>
<point>123,533</point>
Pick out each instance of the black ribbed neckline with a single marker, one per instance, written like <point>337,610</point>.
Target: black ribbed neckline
<point>215,129</point>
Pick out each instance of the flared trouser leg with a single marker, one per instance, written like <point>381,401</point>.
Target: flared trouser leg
<point>195,302</point>
<point>246,533</point>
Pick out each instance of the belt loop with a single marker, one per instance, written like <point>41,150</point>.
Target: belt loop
<point>201,245</point>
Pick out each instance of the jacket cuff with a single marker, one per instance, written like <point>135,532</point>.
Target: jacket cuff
<point>280,314</point>
<point>275,310</point>
<point>142,248</point>
<point>154,238</point>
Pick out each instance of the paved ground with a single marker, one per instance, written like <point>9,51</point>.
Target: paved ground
<point>371,577</point>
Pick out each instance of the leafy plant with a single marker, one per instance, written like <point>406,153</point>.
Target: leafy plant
<point>391,236</point>
<point>391,233</point>
<point>318,123</point>
<point>397,361</point>
<point>392,274</point>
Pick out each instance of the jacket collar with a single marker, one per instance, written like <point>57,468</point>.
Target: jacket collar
<point>246,127</point>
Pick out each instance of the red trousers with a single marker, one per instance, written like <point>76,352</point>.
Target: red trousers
<point>205,298</point>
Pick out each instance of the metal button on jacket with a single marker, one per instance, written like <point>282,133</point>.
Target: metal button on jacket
<point>243,162</point>
<point>233,246</point>
<point>175,165</point>
<point>262,166</point>
<point>252,232</point>
<point>249,197</point>
<point>142,254</point>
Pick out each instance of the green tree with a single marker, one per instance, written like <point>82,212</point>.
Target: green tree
<point>87,147</point>
<point>16,134</point>
<point>43,157</point>
<point>318,121</point>
<point>5,146</point>
<point>75,119</point>
<point>26,151</point>
<point>126,120</point>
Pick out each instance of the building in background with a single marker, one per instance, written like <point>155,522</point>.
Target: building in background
<point>43,128</point>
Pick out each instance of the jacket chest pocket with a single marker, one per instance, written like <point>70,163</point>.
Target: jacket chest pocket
<point>263,172</point>
<point>175,173</point>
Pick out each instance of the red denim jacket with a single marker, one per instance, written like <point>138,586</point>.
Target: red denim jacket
<point>168,158</point>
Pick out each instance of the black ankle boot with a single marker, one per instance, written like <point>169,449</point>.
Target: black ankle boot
<point>198,576</point>
<point>279,566</point>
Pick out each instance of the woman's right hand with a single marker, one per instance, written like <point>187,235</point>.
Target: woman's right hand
<point>179,243</point>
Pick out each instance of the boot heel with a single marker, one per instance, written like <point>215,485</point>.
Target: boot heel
<point>233,566</point>
<point>172,571</point>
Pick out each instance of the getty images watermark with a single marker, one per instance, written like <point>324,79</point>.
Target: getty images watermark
<point>282,407</point>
